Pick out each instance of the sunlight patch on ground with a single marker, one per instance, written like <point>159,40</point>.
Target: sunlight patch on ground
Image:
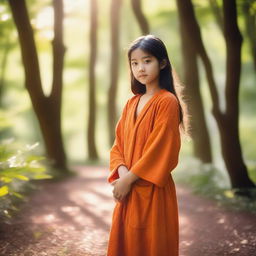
<point>45,218</point>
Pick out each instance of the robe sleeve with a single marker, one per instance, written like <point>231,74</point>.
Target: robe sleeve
<point>116,151</point>
<point>161,151</point>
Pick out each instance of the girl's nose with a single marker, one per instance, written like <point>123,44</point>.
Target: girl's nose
<point>141,67</point>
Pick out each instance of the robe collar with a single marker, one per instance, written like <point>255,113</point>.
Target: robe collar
<point>137,119</point>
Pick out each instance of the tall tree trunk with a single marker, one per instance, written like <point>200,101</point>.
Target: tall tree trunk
<point>47,109</point>
<point>112,93</point>
<point>143,23</point>
<point>227,122</point>
<point>92,152</point>
<point>199,131</point>
<point>250,27</point>
<point>231,147</point>
<point>250,23</point>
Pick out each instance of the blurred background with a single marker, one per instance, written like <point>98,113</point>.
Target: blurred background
<point>64,80</point>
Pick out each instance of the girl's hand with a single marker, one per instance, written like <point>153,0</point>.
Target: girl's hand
<point>122,170</point>
<point>122,187</point>
<point>112,184</point>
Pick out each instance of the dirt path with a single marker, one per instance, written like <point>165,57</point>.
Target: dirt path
<point>73,218</point>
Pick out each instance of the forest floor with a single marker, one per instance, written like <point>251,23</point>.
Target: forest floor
<point>73,217</point>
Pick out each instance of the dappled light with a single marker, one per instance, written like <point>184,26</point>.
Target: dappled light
<point>75,216</point>
<point>78,210</point>
<point>218,229</point>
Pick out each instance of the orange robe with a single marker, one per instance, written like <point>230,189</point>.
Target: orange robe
<point>146,223</point>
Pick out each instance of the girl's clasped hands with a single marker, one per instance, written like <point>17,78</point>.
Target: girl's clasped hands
<point>122,186</point>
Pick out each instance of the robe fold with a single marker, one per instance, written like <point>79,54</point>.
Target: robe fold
<point>146,222</point>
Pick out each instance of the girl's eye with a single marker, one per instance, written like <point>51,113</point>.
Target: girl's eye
<point>147,61</point>
<point>134,63</point>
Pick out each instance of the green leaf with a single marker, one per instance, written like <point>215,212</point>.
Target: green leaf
<point>6,179</point>
<point>42,176</point>
<point>31,158</point>
<point>12,174</point>
<point>17,194</point>
<point>3,191</point>
<point>21,177</point>
<point>36,169</point>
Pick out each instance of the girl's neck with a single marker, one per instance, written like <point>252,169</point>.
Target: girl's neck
<point>152,90</point>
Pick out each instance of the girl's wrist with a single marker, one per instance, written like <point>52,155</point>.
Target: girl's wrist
<point>131,177</point>
<point>122,170</point>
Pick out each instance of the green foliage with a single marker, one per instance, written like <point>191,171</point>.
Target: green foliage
<point>18,166</point>
<point>250,4</point>
<point>4,120</point>
<point>8,35</point>
<point>210,182</point>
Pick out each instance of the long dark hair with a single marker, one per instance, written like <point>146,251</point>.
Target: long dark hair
<point>154,46</point>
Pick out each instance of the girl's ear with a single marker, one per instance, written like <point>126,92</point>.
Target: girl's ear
<point>163,64</point>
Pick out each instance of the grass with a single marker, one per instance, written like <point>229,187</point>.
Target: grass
<point>211,182</point>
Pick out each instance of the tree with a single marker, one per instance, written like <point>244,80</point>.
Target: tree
<point>143,23</point>
<point>199,131</point>
<point>114,67</point>
<point>227,121</point>
<point>92,151</point>
<point>249,13</point>
<point>47,108</point>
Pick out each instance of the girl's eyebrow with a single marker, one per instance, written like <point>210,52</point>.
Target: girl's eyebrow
<point>144,57</point>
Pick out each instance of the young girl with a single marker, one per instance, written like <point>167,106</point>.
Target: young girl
<point>145,151</point>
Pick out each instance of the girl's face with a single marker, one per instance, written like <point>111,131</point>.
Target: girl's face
<point>145,67</point>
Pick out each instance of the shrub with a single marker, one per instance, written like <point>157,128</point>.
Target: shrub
<point>18,166</point>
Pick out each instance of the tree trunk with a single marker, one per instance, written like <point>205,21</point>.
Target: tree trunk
<point>231,147</point>
<point>227,122</point>
<point>199,131</point>
<point>47,109</point>
<point>92,151</point>
<point>143,23</point>
<point>112,93</point>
